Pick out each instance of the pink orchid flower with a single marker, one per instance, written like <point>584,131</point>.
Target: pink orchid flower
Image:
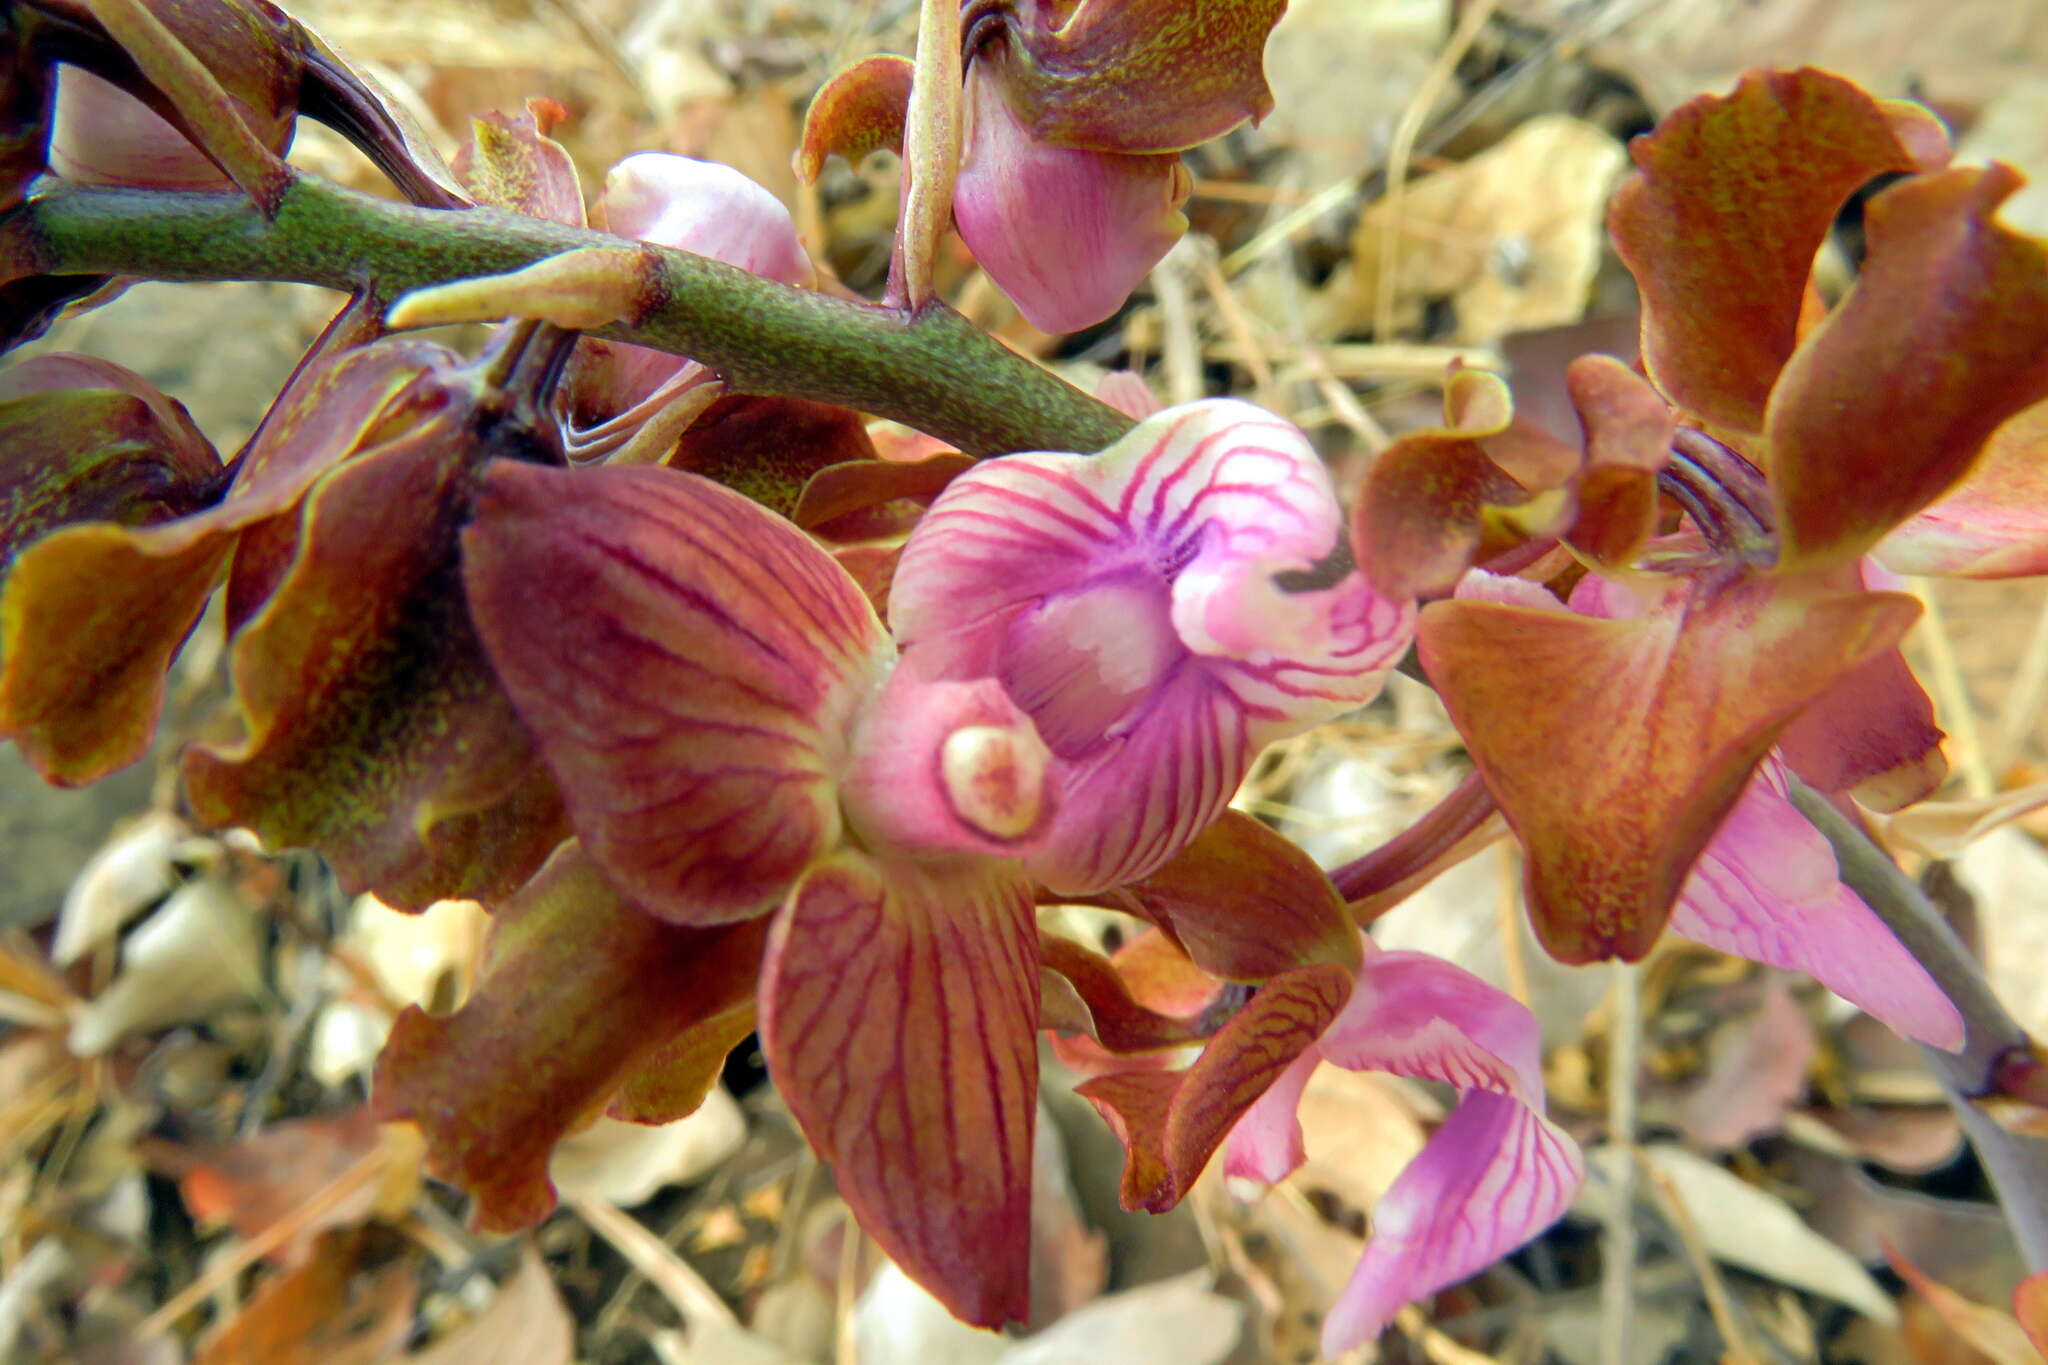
<point>1491,1178</point>
<point>1088,653</point>
<point>1130,602</point>
<point>1766,887</point>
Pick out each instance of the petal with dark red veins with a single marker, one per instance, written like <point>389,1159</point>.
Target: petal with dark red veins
<point>1139,606</point>
<point>1734,195</point>
<point>1888,403</point>
<point>585,1002</point>
<point>691,666</point>
<point>1119,1021</point>
<point>899,1005</point>
<point>1614,747</point>
<point>1171,1122</point>
<point>375,730</point>
<point>1068,234</point>
<point>1767,889</point>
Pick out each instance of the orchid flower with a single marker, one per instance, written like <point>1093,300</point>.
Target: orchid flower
<point>1088,653</point>
<point>1766,886</point>
<point>1496,1174</point>
<point>1070,185</point>
<point>1617,744</point>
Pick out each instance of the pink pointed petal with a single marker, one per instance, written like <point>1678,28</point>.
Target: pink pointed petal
<point>691,666</point>
<point>1417,1015</point>
<point>1067,234</point>
<point>898,1010</point>
<point>1495,1175</point>
<point>1994,524</point>
<point>1266,1144</point>
<point>1171,1122</point>
<point>1767,889</point>
<point>1129,603</point>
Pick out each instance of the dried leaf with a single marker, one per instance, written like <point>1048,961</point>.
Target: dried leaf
<point>200,951</point>
<point>525,1324</point>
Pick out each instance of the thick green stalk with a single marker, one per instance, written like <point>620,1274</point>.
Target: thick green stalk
<point>931,369</point>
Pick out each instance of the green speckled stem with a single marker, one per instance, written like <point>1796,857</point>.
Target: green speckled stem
<point>933,370</point>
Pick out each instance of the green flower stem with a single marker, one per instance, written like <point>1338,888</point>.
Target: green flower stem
<point>931,369</point>
<point>2018,1166</point>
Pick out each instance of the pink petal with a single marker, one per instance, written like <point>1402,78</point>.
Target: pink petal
<point>1994,524</point>
<point>1767,889</point>
<point>1417,1015</point>
<point>1495,1175</point>
<point>703,207</point>
<point>1266,1144</point>
<point>947,767</point>
<point>102,135</point>
<point>898,1007</point>
<point>1128,602</point>
<point>1068,234</point>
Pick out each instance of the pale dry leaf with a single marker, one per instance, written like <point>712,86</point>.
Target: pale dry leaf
<point>425,959</point>
<point>1756,1071</point>
<point>1991,1332</point>
<point>1180,1321</point>
<point>1342,72</point>
<point>1952,53</point>
<point>2014,129</point>
<point>1943,829</point>
<point>131,871</point>
<point>628,1163</point>
<point>2007,873</point>
<point>1512,237</point>
<point>719,1343</point>
<point>1743,1226</point>
<point>524,1324</point>
<point>199,951</point>
<point>895,1322</point>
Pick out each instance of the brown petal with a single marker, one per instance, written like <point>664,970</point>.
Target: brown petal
<point>1943,337</point>
<point>858,111</point>
<point>1247,904</point>
<point>585,1001</point>
<point>1615,747</point>
<point>511,163</point>
<point>375,731</point>
<point>1735,195</point>
<point>1135,75</point>
<point>1171,1122</point>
